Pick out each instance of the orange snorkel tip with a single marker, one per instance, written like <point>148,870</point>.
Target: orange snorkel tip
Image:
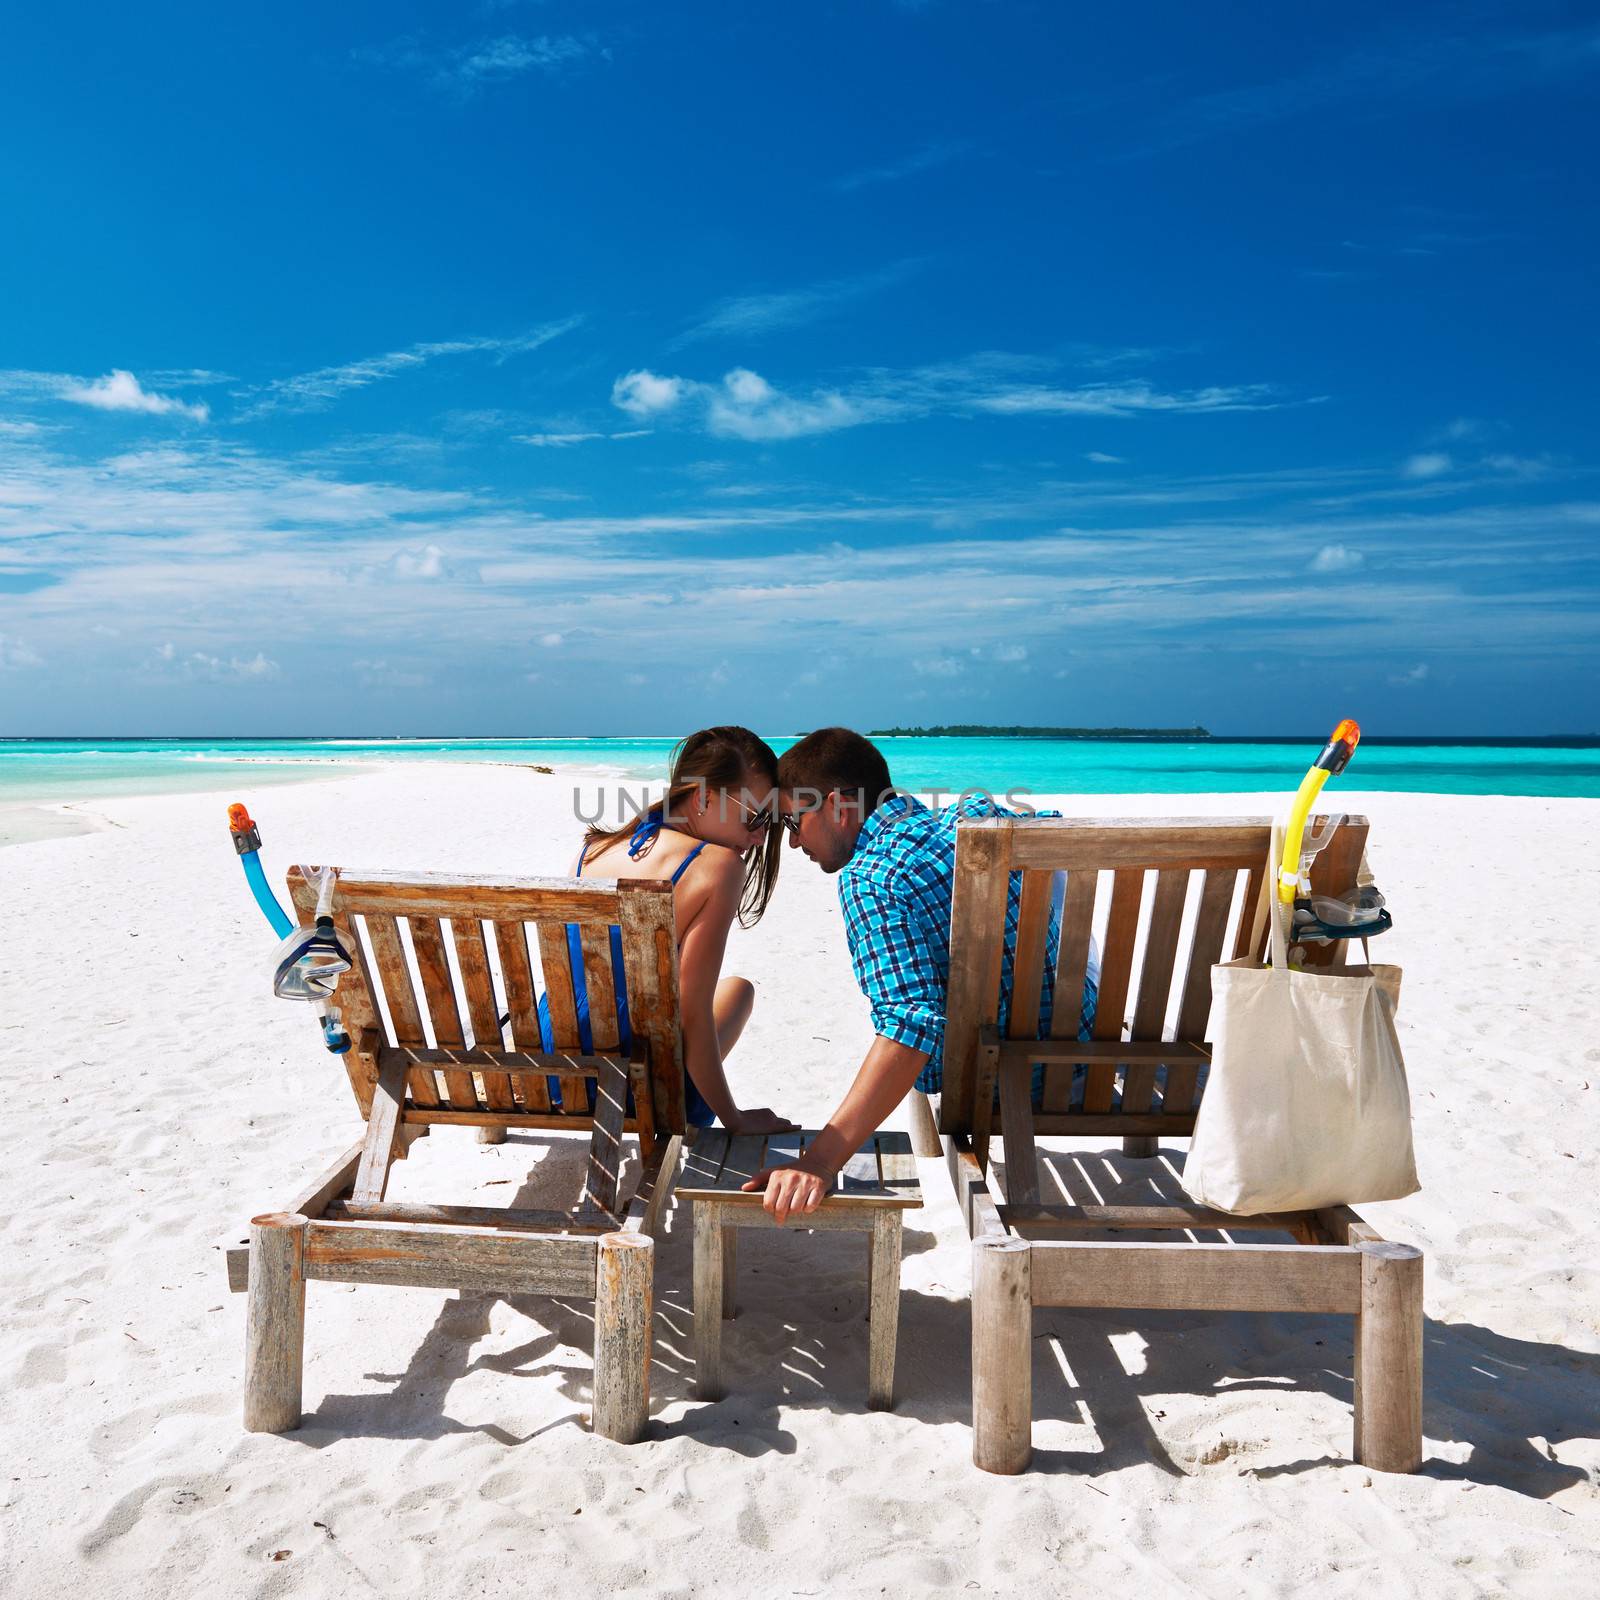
<point>246,836</point>
<point>1340,747</point>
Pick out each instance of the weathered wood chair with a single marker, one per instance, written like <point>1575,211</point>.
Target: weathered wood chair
<point>1144,1076</point>
<point>443,1014</point>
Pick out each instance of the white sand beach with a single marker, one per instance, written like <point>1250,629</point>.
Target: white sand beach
<point>162,1096</point>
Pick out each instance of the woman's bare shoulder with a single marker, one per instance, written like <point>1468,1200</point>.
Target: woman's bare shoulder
<point>720,864</point>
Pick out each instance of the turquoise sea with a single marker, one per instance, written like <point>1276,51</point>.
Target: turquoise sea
<point>37,772</point>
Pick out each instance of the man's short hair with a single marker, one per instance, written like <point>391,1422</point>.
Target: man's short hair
<point>837,758</point>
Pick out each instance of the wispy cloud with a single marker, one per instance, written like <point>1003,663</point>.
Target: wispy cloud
<point>463,69</point>
<point>751,315</point>
<point>1413,62</point>
<point>745,405</point>
<point>118,390</point>
<point>1428,464</point>
<point>313,391</point>
<point>143,560</point>
<point>565,441</point>
<point>938,154</point>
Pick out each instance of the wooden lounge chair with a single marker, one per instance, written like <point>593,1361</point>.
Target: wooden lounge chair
<point>1145,1074</point>
<point>441,1008</point>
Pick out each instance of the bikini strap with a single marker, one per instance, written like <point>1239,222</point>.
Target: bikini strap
<point>683,866</point>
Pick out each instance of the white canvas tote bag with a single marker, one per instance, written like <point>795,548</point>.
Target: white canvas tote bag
<point>1306,1102</point>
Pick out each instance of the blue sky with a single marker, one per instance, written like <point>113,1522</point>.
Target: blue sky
<point>522,367</point>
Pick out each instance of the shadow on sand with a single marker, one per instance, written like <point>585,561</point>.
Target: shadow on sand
<point>806,1347</point>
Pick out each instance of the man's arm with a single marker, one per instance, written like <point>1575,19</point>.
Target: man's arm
<point>888,1071</point>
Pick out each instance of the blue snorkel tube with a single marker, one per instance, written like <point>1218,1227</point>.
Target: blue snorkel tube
<point>247,841</point>
<point>308,961</point>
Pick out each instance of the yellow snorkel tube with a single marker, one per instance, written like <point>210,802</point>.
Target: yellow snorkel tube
<point>1334,759</point>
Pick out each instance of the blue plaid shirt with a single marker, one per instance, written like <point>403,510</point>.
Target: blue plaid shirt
<point>895,893</point>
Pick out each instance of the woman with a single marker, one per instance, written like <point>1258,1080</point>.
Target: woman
<point>712,837</point>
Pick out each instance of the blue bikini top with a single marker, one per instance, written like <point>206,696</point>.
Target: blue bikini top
<point>643,836</point>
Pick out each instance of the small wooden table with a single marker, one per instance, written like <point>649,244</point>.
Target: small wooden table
<point>869,1195</point>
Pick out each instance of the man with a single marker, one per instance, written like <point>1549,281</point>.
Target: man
<point>896,864</point>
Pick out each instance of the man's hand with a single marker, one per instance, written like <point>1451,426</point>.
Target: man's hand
<point>796,1189</point>
<point>759,1119</point>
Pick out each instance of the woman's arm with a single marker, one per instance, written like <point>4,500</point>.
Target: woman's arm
<point>700,951</point>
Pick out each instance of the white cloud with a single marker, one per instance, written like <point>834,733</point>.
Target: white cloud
<point>1519,466</point>
<point>1430,464</point>
<point>938,666</point>
<point>464,70</point>
<point>1125,399</point>
<point>16,654</point>
<point>121,391</point>
<point>748,407</point>
<point>206,668</point>
<point>751,315</point>
<point>428,562</point>
<point>1336,558</point>
<point>745,405</point>
<point>565,441</point>
<point>1010,653</point>
<point>551,641</point>
<point>643,394</point>
<point>556,441</point>
<point>313,391</point>
<point>494,60</point>
<point>1413,675</point>
<point>1100,458</point>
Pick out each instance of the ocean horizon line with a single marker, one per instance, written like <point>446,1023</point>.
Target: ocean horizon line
<point>1500,741</point>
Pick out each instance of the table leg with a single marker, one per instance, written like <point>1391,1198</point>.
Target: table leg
<point>708,1299</point>
<point>730,1268</point>
<point>884,1301</point>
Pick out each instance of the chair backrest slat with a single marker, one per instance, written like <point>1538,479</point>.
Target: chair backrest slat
<point>1116,970</point>
<point>477,982</point>
<point>511,941</point>
<point>1158,944</point>
<point>394,978</point>
<point>596,945</point>
<point>1033,926</point>
<point>555,962</point>
<point>1155,980</point>
<point>1072,971</point>
<point>427,976</point>
<point>433,966</point>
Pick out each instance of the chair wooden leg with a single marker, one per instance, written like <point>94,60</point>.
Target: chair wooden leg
<point>730,1270</point>
<point>1141,1146</point>
<point>924,1131</point>
<point>495,1135</point>
<point>1002,1354</point>
<point>1388,1421</point>
<point>708,1294</point>
<point>883,1298</point>
<point>622,1336</point>
<point>275,1322</point>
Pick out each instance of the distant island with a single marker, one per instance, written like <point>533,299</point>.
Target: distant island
<point>978,730</point>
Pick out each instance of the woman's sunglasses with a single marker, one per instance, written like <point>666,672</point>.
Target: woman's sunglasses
<point>756,818</point>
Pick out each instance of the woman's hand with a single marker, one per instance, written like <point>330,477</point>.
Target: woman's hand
<point>759,1119</point>
<point>795,1189</point>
